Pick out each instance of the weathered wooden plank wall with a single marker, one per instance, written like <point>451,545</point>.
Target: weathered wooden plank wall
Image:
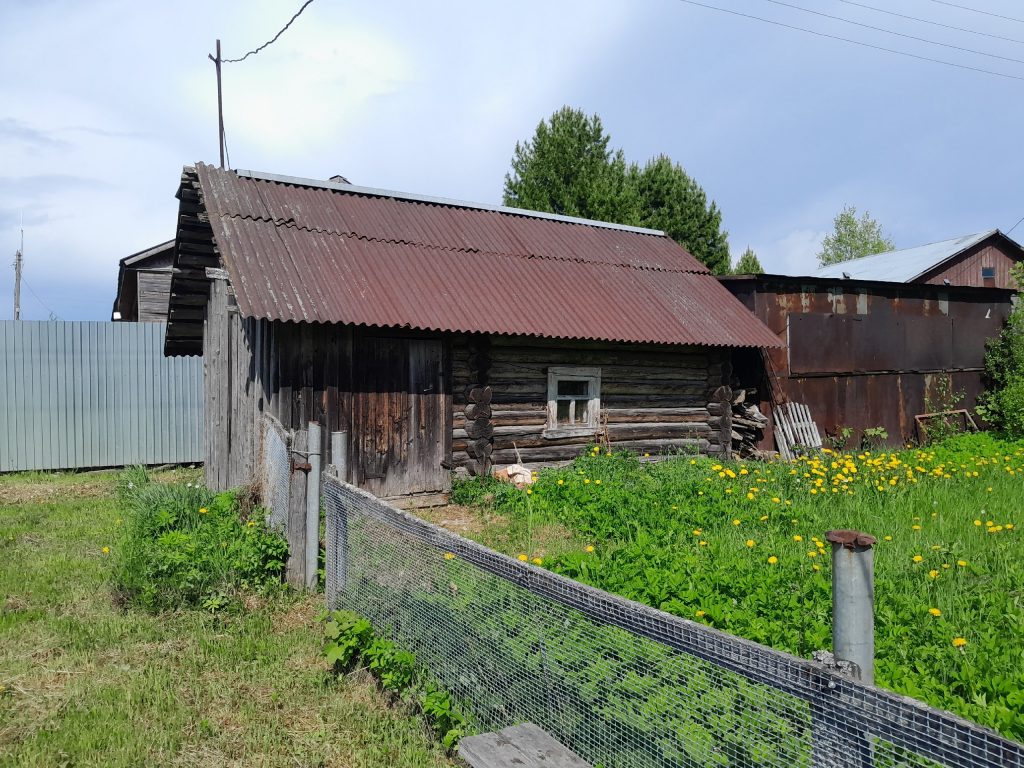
<point>95,394</point>
<point>653,399</point>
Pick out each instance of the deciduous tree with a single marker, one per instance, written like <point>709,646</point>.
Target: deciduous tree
<point>853,237</point>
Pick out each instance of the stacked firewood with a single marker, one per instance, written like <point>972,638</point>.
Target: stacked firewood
<point>748,422</point>
<point>479,429</point>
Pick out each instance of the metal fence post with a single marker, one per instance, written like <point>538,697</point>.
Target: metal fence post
<point>313,505</point>
<point>339,454</point>
<point>853,600</point>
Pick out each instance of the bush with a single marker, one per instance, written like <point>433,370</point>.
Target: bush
<point>184,546</point>
<point>1001,405</point>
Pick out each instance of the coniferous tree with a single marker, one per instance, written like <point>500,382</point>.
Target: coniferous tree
<point>569,167</point>
<point>748,264</point>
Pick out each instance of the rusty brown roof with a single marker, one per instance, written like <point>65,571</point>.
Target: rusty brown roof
<point>309,251</point>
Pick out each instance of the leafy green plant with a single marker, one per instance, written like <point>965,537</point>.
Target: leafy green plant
<point>940,399</point>
<point>739,546</point>
<point>873,437</point>
<point>839,439</point>
<point>183,545</point>
<point>349,640</point>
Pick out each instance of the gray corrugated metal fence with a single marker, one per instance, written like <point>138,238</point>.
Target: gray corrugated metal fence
<point>94,394</point>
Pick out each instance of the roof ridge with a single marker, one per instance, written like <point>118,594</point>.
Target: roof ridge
<point>414,197</point>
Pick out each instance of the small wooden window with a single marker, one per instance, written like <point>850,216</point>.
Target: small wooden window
<point>574,401</point>
<point>988,276</point>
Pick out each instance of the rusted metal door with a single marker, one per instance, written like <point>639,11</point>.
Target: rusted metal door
<point>399,415</point>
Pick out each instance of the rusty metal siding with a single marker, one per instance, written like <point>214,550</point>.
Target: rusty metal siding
<point>966,269</point>
<point>303,254</point>
<point>866,354</point>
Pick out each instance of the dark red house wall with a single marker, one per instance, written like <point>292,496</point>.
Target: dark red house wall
<point>966,268</point>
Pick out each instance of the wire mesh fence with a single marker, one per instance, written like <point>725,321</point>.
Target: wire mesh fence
<point>619,683</point>
<point>274,473</point>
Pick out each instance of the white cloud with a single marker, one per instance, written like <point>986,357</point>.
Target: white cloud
<point>794,254</point>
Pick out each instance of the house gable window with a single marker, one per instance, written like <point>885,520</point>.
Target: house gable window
<point>988,277</point>
<point>574,401</point>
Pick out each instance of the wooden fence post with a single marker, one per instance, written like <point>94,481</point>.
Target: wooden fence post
<point>295,529</point>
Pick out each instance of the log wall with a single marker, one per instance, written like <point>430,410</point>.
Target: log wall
<point>653,399</point>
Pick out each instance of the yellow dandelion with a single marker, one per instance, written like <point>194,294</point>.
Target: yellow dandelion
<point>959,642</point>
<point>203,510</point>
<point>812,553</point>
<point>915,527</point>
<point>888,538</point>
<point>750,542</point>
<point>537,561</point>
<point>933,574</point>
<point>589,548</point>
<point>736,521</point>
<point>934,611</point>
<point>798,537</point>
<point>698,614</point>
<point>763,518</point>
<point>529,491</point>
<point>697,531</point>
<point>597,482</point>
<point>586,481</point>
<point>917,558</point>
<point>977,522</point>
<point>773,560</point>
<point>449,555</point>
<point>105,550</point>
<point>962,563</point>
<point>523,557</point>
<point>561,482</point>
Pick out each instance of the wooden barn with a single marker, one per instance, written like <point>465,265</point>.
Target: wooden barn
<point>144,285</point>
<point>440,334</point>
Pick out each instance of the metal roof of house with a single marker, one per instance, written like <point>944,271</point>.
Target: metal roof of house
<point>310,251</point>
<point>904,265</point>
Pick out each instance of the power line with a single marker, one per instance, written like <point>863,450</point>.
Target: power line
<point>933,23</point>
<point>854,42</point>
<point>893,32</point>
<point>975,10</point>
<point>1015,225</point>
<point>53,315</point>
<point>271,40</point>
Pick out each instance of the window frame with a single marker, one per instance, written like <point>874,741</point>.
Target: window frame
<point>589,374</point>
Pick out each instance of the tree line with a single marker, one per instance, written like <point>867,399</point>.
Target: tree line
<point>569,167</point>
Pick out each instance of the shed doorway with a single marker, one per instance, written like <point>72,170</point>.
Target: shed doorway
<point>400,404</point>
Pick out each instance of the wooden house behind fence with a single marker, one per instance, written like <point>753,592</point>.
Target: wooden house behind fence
<point>441,334</point>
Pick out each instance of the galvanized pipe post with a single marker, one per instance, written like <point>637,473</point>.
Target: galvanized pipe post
<point>853,600</point>
<point>339,454</point>
<point>313,505</point>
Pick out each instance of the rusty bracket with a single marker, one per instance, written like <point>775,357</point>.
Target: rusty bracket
<point>301,466</point>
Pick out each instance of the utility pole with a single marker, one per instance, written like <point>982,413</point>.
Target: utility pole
<point>17,276</point>
<point>17,285</point>
<point>220,105</point>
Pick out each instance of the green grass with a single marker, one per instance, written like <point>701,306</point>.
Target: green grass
<point>739,546</point>
<point>84,681</point>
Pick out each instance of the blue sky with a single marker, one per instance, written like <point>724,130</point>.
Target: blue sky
<point>103,102</point>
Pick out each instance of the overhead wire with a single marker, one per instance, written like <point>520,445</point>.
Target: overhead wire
<point>53,315</point>
<point>932,22</point>
<point>894,32</point>
<point>861,43</point>
<point>271,40</point>
<point>1015,225</point>
<point>977,10</point>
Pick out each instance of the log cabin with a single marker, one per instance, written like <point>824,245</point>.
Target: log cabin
<point>440,334</point>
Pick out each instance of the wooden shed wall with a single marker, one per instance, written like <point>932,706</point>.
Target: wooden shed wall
<point>154,292</point>
<point>966,268</point>
<point>653,398</point>
<point>402,397</point>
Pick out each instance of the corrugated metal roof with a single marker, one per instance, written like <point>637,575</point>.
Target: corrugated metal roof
<point>303,253</point>
<point>904,265</point>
